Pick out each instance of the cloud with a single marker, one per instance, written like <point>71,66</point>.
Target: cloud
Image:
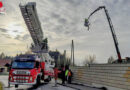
<point>26,36</point>
<point>75,3</point>
<point>100,36</point>
<point>18,37</point>
<point>3,30</point>
<point>63,20</point>
<point>15,31</point>
<point>55,16</point>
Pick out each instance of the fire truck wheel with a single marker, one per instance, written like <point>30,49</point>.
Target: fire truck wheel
<point>38,80</point>
<point>16,85</point>
<point>48,79</point>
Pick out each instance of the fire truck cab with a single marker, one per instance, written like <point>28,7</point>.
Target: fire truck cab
<point>28,70</point>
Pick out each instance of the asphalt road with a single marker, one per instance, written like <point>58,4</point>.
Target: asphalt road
<point>43,86</point>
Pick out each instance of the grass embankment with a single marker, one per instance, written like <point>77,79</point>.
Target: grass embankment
<point>1,86</point>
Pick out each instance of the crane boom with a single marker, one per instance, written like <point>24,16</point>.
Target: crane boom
<point>113,35</point>
<point>111,28</point>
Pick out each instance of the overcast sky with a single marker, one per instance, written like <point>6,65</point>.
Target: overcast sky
<point>62,21</point>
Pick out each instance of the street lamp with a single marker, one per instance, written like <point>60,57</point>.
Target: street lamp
<point>87,24</point>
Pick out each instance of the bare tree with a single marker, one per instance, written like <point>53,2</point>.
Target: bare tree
<point>111,59</point>
<point>90,59</point>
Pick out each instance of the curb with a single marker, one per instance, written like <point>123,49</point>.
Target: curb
<point>80,85</point>
<point>68,86</point>
<point>102,88</point>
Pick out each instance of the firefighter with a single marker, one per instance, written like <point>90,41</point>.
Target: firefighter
<point>66,72</point>
<point>55,75</point>
<point>63,74</point>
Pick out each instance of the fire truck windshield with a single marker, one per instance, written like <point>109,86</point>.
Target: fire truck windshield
<point>22,65</point>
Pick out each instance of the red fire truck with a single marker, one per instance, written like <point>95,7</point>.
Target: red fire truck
<point>30,69</point>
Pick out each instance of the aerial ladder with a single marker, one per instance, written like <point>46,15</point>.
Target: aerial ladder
<point>40,46</point>
<point>31,19</point>
<point>30,16</point>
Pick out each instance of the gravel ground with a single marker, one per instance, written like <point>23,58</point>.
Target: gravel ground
<point>44,86</point>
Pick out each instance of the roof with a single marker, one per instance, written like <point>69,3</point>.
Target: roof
<point>27,57</point>
<point>3,62</point>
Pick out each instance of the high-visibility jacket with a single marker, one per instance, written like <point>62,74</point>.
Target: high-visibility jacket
<point>69,73</point>
<point>66,72</point>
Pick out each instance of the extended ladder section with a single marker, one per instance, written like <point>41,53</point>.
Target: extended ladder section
<point>31,19</point>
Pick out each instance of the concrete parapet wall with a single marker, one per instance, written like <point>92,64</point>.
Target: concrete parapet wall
<point>104,75</point>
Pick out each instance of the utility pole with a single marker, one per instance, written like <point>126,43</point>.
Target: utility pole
<point>72,53</point>
<point>111,28</point>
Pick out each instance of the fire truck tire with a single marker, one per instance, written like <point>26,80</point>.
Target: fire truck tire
<point>48,79</point>
<point>38,80</point>
<point>16,85</point>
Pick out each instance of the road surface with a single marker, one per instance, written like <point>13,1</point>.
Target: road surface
<point>43,86</point>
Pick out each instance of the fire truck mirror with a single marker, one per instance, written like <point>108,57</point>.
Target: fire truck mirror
<point>8,66</point>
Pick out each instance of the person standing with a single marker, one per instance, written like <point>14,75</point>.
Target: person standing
<point>63,74</point>
<point>66,72</point>
<point>70,76</point>
<point>55,75</point>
